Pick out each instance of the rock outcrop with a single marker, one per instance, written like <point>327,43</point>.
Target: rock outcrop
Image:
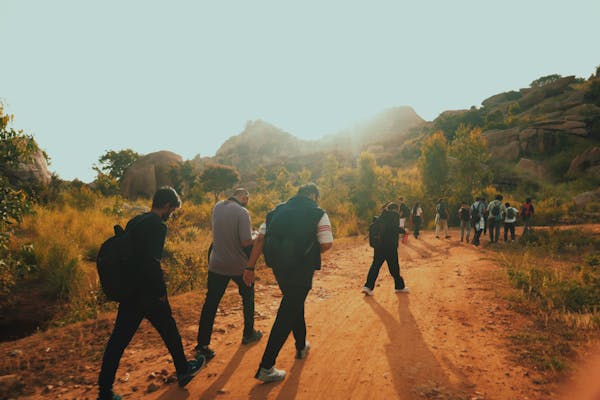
<point>148,173</point>
<point>32,172</point>
<point>587,162</point>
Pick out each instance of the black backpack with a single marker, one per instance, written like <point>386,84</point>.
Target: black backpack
<point>114,264</point>
<point>464,214</point>
<point>376,233</point>
<point>475,214</point>
<point>510,213</point>
<point>496,210</point>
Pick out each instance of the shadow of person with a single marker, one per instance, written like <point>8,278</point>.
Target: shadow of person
<point>261,391</point>
<point>413,368</point>
<point>175,393</point>
<point>212,391</point>
<point>292,381</point>
<point>421,252</point>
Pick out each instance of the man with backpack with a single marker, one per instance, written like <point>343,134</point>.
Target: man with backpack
<point>383,237</point>
<point>478,219</point>
<point>416,219</point>
<point>496,213</point>
<point>526,214</point>
<point>147,296</point>
<point>509,222</point>
<point>232,232</point>
<point>464,215</point>
<point>441,218</point>
<point>404,213</point>
<point>292,239</point>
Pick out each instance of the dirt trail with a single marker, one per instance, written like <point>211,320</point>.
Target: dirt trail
<point>446,339</point>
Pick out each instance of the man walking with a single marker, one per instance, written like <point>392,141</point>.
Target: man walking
<point>293,237</point>
<point>509,222</point>
<point>464,215</point>
<point>478,219</point>
<point>441,218</point>
<point>148,296</point>
<point>526,214</point>
<point>232,231</point>
<point>496,214</point>
<point>387,251</point>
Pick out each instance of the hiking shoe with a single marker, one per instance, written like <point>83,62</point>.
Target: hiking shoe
<point>255,337</point>
<point>367,291</point>
<point>194,366</point>
<point>301,354</point>
<point>448,237</point>
<point>206,352</point>
<point>110,396</point>
<point>403,290</point>
<point>270,375</point>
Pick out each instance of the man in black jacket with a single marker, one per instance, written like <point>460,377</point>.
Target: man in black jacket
<point>294,236</point>
<point>148,297</point>
<point>387,251</point>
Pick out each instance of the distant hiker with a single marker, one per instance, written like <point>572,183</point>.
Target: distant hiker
<point>386,250</point>
<point>509,222</point>
<point>485,213</point>
<point>148,298</point>
<point>416,219</point>
<point>478,219</point>
<point>292,238</point>
<point>464,215</point>
<point>232,232</point>
<point>496,213</point>
<point>441,218</point>
<point>404,215</point>
<point>527,214</point>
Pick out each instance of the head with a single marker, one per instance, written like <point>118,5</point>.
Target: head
<point>528,200</point>
<point>506,204</point>
<point>417,204</point>
<point>242,196</point>
<point>309,190</point>
<point>393,207</point>
<point>165,201</point>
<point>499,197</point>
<point>401,199</point>
<point>440,199</point>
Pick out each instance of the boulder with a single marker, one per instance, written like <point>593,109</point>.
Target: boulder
<point>582,199</point>
<point>31,172</point>
<point>531,169</point>
<point>586,161</point>
<point>148,173</point>
<point>497,137</point>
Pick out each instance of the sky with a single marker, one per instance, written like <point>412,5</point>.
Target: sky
<point>84,77</point>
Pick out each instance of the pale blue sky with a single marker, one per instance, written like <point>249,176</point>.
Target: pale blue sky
<point>84,77</point>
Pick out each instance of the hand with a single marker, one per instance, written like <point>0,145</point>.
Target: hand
<point>248,277</point>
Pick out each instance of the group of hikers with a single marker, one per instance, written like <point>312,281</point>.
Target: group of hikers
<point>292,238</point>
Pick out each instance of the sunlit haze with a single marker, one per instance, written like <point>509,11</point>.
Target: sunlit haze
<point>86,77</point>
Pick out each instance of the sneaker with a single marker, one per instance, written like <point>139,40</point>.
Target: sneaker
<point>194,366</point>
<point>367,291</point>
<point>404,290</point>
<point>301,354</point>
<point>109,396</point>
<point>206,352</point>
<point>255,337</point>
<point>448,237</point>
<point>437,237</point>
<point>270,375</point>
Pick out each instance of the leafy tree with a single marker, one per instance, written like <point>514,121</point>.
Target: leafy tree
<point>470,173</point>
<point>282,185</point>
<point>217,178</point>
<point>111,167</point>
<point>364,193</point>
<point>433,165</point>
<point>185,180</point>
<point>592,95</point>
<point>545,80</point>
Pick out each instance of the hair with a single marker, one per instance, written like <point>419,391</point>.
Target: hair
<point>414,210</point>
<point>393,206</point>
<point>166,195</point>
<point>528,200</point>
<point>507,204</point>
<point>308,189</point>
<point>440,200</point>
<point>499,197</point>
<point>239,192</point>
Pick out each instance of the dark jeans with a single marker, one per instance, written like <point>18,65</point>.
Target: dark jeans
<point>494,229</point>
<point>416,226</point>
<point>509,226</point>
<point>391,257</point>
<point>128,320</point>
<point>290,318</point>
<point>477,236</point>
<point>216,288</point>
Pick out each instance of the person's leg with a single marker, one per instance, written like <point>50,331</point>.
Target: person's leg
<point>491,229</point>
<point>445,225</point>
<point>128,320</point>
<point>378,259</point>
<point>437,227</point>
<point>497,231</point>
<point>247,293</point>
<point>512,231</point>
<point>299,323</point>
<point>468,230</point>
<point>216,288</point>
<point>159,314</point>
<point>506,224</point>
<point>462,230</point>
<point>391,257</point>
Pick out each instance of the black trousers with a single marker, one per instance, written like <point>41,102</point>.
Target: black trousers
<point>494,230</point>
<point>509,226</point>
<point>389,255</point>
<point>128,320</point>
<point>217,284</point>
<point>290,318</point>
<point>416,226</point>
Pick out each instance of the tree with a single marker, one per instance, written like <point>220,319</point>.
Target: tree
<point>217,178</point>
<point>364,192</point>
<point>111,167</point>
<point>545,80</point>
<point>433,165</point>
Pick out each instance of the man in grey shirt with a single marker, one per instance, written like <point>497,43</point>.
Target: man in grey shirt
<point>232,232</point>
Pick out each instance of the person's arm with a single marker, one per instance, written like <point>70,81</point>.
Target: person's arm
<point>257,247</point>
<point>324,233</point>
<point>151,269</point>
<point>245,229</point>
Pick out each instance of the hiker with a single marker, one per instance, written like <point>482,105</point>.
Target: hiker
<point>478,219</point>
<point>526,215</point>
<point>484,215</point>
<point>441,218</point>
<point>496,213</point>
<point>148,296</point>
<point>416,219</point>
<point>404,213</point>
<point>464,215</point>
<point>232,231</point>
<point>293,237</point>
<point>386,250</point>
<point>509,222</point>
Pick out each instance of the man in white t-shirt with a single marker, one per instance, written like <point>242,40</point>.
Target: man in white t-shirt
<point>292,238</point>
<point>510,220</point>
